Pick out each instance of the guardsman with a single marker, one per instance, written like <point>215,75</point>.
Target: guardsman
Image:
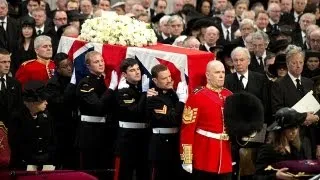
<point>164,110</point>
<point>42,68</point>
<point>204,146</point>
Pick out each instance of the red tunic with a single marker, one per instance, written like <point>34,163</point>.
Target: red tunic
<point>204,110</point>
<point>34,70</point>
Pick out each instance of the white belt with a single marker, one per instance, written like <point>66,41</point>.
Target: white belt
<point>132,125</point>
<point>95,119</point>
<point>219,136</point>
<point>165,130</point>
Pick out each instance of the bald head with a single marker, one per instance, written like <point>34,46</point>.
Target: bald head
<point>215,74</point>
<point>211,36</point>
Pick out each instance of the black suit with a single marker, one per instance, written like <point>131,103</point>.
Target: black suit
<point>285,94</point>
<point>10,100</point>
<point>256,84</point>
<point>238,42</point>
<point>8,39</point>
<point>221,38</point>
<point>298,40</point>
<point>254,64</point>
<point>203,48</point>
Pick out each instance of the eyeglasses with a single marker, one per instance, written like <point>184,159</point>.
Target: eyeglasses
<point>315,41</point>
<point>61,19</point>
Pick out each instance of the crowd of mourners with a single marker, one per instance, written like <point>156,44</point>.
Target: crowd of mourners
<point>131,127</point>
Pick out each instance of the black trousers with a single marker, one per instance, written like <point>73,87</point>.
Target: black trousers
<point>203,175</point>
<point>125,168</point>
<point>162,170</point>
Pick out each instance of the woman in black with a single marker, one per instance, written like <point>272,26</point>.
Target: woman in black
<point>25,49</point>
<point>283,143</point>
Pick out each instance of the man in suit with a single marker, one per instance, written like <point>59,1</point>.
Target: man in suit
<point>315,40</point>
<point>211,37</point>
<point>274,12</point>
<point>225,27</point>
<point>300,37</point>
<point>246,27</point>
<point>254,83</point>
<point>289,90</point>
<point>164,30</point>
<point>260,43</point>
<point>244,79</point>
<point>160,6</point>
<point>10,89</point>
<point>8,28</point>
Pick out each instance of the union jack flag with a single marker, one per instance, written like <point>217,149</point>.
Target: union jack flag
<point>184,64</point>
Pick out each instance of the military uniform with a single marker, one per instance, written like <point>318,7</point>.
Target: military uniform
<point>95,135</point>
<point>133,134</point>
<point>31,139</point>
<point>34,70</point>
<point>63,108</point>
<point>165,112</point>
<point>204,142</point>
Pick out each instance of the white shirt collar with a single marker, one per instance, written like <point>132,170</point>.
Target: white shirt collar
<point>303,36</point>
<point>42,29</point>
<point>207,46</point>
<point>294,78</point>
<point>164,36</point>
<point>271,22</point>
<point>224,30</point>
<point>5,20</point>
<point>296,16</point>
<point>264,55</point>
<point>5,80</point>
<point>246,74</point>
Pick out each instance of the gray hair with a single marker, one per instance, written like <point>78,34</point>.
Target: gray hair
<point>293,50</point>
<point>4,2</point>
<point>310,15</point>
<point>165,18</point>
<point>246,22</point>
<point>271,6</point>
<point>306,1</point>
<point>260,35</point>
<point>241,49</point>
<point>175,18</point>
<point>40,39</point>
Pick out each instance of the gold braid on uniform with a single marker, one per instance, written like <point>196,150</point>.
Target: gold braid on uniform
<point>186,156</point>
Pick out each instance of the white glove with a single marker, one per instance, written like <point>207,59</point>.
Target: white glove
<point>145,83</point>
<point>182,91</point>
<point>114,80</point>
<point>123,83</point>
<point>187,167</point>
<point>73,77</point>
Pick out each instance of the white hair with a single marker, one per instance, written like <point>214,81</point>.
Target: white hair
<point>241,49</point>
<point>40,39</point>
<point>293,50</point>
<point>246,22</point>
<point>179,40</point>
<point>165,18</point>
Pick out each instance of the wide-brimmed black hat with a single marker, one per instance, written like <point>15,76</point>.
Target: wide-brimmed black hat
<point>74,15</point>
<point>202,23</point>
<point>243,114</point>
<point>279,62</point>
<point>287,118</point>
<point>310,53</point>
<point>34,91</point>
<point>278,45</point>
<point>28,21</point>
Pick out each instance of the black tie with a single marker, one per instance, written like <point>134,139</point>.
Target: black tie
<point>3,34</point>
<point>39,32</point>
<point>228,33</point>
<point>261,63</point>
<point>241,83</point>
<point>3,85</point>
<point>300,87</point>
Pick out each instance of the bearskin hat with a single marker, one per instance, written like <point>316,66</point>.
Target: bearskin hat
<point>243,114</point>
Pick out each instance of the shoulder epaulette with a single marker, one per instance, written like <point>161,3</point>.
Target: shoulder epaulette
<point>197,89</point>
<point>26,62</point>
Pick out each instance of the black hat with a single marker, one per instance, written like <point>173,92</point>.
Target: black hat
<point>34,91</point>
<point>311,53</point>
<point>227,49</point>
<point>279,62</point>
<point>243,114</point>
<point>74,15</point>
<point>286,30</point>
<point>156,18</point>
<point>278,45</point>
<point>28,21</point>
<point>203,23</point>
<point>287,118</point>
